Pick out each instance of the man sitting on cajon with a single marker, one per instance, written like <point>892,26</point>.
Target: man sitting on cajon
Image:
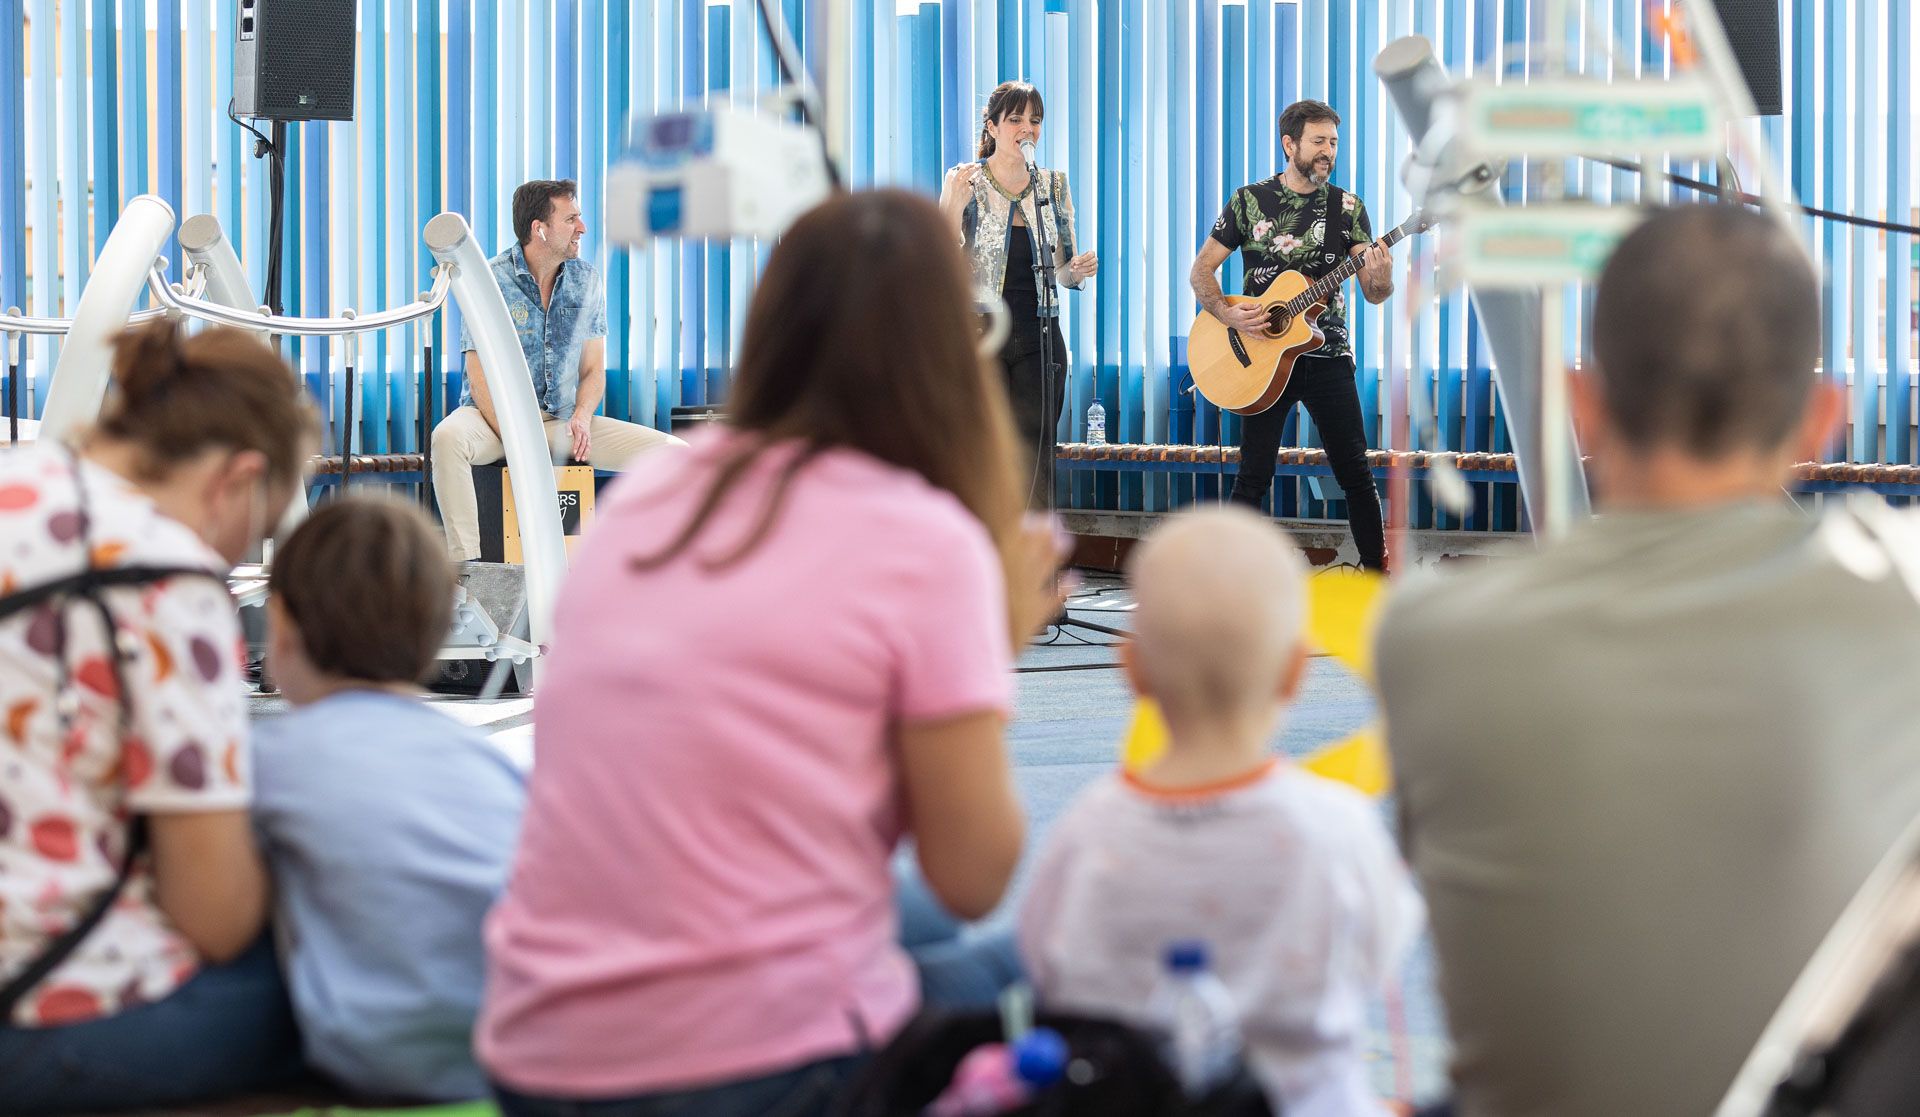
<point>559,309</point>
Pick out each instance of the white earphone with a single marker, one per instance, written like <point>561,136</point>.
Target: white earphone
<point>542,231</point>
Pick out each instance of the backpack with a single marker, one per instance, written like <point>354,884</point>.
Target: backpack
<point>1113,1070</point>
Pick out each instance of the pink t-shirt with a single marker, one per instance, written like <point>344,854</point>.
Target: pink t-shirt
<point>702,891</point>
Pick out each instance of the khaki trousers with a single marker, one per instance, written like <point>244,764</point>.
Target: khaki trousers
<point>463,440</point>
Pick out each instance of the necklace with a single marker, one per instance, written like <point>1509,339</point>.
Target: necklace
<point>1004,192</point>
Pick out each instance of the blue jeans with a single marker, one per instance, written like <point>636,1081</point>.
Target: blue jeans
<point>228,1030</point>
<point>958,969</point>
<point>804,1091</point>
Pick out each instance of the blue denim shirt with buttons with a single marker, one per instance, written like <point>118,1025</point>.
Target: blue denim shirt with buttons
<point>551,337</point>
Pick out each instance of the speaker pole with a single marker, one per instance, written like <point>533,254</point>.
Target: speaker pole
<point>426,429</point>
<point>276,210</point>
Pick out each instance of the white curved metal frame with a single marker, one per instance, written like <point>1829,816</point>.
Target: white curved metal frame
<point>218,293</point>
<point>80,376</point>
<point>522,433</point>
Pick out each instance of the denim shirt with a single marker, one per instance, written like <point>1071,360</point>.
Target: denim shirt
<point>551,338</point>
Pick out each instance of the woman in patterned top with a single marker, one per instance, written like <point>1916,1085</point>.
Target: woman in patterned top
<point>996,204</point>
<point>173,996</point>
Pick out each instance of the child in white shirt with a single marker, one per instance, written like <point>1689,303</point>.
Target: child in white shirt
<point>1290,878</point>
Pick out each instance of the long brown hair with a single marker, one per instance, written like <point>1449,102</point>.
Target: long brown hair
<point>1008,96</point>
<point>862,336</point>
<point>175,396</point>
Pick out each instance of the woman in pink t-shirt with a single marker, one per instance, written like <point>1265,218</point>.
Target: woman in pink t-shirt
<point>777,655</point>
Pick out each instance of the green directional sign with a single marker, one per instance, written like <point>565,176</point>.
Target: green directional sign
<point>1537,245</point>
<point>1577,116</point>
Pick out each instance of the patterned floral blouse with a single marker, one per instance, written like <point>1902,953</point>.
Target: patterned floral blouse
<point>987,222</point>
<point>68,781</point>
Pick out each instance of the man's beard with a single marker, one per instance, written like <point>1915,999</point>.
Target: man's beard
<point>1310,170</point>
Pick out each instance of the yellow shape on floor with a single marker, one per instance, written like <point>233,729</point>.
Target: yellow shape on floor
<point>1342,609</point>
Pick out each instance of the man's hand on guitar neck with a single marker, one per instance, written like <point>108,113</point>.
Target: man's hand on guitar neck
<point>1376,271</point>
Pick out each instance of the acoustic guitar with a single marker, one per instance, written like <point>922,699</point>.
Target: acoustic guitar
<point>1245,373</point>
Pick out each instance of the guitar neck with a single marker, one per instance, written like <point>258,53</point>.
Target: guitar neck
<point>1331,281</point>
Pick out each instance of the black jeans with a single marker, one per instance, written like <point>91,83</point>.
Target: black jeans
<point>1324,385</point>
<point>1035,419</point>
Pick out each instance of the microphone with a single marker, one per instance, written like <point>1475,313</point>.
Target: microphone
<point>1026,152</point>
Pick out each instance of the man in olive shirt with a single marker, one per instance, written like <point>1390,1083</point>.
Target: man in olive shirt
<point>1642,770</point>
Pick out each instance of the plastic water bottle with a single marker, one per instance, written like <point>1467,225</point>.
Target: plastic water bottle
<point>1200,1028</point>
<point>998,1077</point>
<point>1096,425</point>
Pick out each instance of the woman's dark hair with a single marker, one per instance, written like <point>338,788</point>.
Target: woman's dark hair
<point>1008,96</point>
<point>367,582</point>
<point>175,396</point>
<point>862,335</point>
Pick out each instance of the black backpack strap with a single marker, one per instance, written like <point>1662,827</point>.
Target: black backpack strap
<point>85,581</point>
<point>86,584</point>
<point>57,951</point>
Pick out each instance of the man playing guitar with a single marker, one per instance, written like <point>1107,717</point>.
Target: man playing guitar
<point>1282,224</point>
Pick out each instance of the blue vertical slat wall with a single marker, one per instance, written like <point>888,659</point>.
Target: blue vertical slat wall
<point>613,22</point>
<point>1158,109</point>
<point>1181,152</point>
<point>135,154</point>
<point>429,76</point>
<point>460,143</point>
<point>1902,313</point>
<point>314,237</point>
<point>13,153</point>
<point>196,68</point>
<point>103,80</point>
<point>43,193</point>
<point>1833,178</point>
<point>1868,191</point>
<point>167,31</point>
<point>75,256</point>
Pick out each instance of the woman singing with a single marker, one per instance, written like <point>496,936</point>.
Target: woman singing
<point>996,204</point>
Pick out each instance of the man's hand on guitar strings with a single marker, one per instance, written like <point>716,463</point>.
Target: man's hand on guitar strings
<point>1248,318</point>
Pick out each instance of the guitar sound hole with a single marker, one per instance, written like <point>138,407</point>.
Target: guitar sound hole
<point>1278,321</point>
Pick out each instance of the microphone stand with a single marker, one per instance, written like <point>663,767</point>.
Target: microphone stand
<point>1047,301</point>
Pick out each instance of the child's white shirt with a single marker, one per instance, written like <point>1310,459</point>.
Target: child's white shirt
<point>1291,880</point>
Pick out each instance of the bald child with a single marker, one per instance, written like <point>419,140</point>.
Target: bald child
<point>1291,879</point>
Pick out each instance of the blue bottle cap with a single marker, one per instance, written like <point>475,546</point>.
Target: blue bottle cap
<point>1040,1058</point>
<point>1187,955</point>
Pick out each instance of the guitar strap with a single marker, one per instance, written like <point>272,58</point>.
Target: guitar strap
<point>1337,243</point>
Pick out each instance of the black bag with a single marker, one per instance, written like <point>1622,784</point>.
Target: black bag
<point>1113,1070</point>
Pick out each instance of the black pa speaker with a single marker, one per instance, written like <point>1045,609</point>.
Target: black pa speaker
<point>293,59</point>
<point>1753,30</point>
